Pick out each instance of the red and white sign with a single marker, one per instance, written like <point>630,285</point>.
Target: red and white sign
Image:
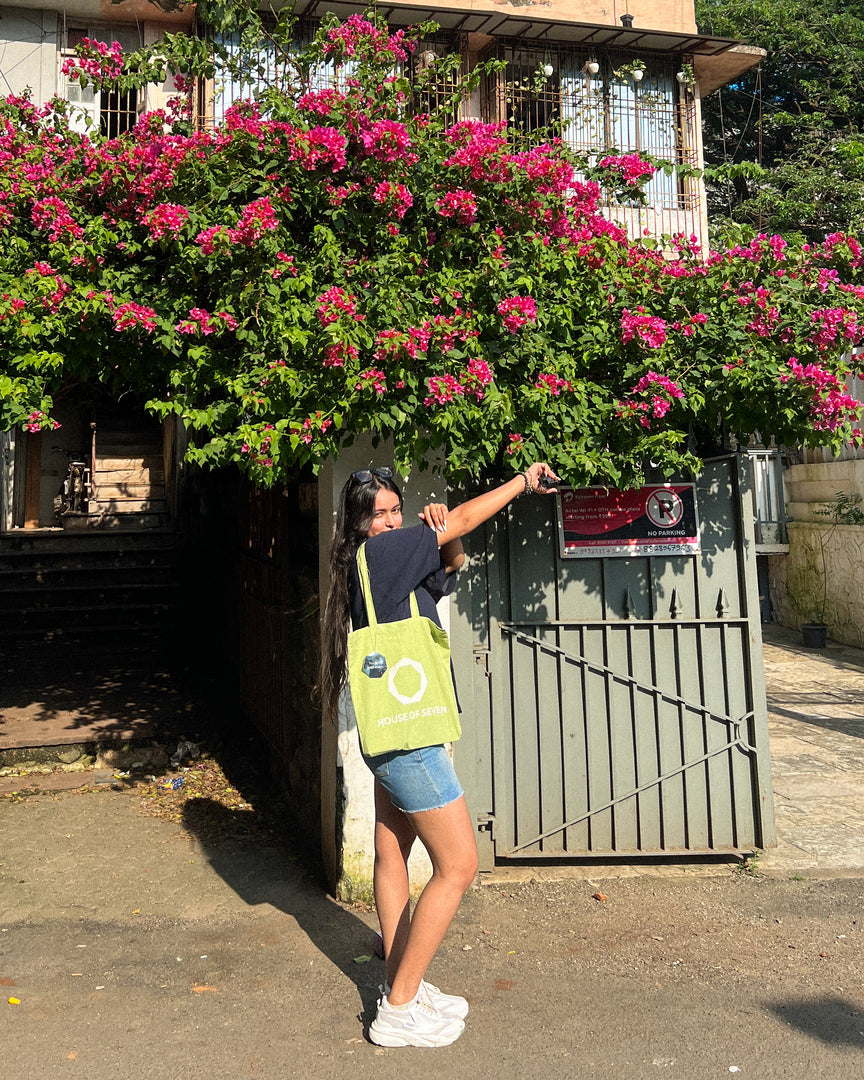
<point>659,519</point>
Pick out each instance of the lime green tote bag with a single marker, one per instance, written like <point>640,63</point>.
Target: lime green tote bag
<point>399,675</point>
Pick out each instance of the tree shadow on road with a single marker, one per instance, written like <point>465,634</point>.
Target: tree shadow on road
<point>832,1020</point>
<point>272,865</point>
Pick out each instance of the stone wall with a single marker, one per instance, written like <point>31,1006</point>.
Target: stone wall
<point>796,579</point>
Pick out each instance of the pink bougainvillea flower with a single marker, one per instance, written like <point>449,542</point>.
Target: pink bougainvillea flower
<point>96,60</point>
<point>130,315</point>
<point>443,389</point>
<point>53,215</point>
<point>336,354</point>
<point>459,204</point>
<point>256,219</point>
<point>628,168</point>
<point>202,323</point>
<point>335,302</point>
<point>553,383</point>
<point>166,218</point>
<point>657,394</point>
<point>646,329</point>
<point>517,311</point>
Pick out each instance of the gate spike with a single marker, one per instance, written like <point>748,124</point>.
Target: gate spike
<point>629,606</point>
<point>675,607</point>
<point>722,604</point>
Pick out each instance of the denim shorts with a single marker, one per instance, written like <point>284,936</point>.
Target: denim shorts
<point>417,780</point>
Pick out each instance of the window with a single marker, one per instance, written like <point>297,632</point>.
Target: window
<point>266,66</point>
<point>519,95</point>
<point>111,113</point>
<point>434,87</point>
<point>602,110</point>
<point>607,112</point>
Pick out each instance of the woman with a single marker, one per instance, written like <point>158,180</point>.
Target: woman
<point>417,793</point>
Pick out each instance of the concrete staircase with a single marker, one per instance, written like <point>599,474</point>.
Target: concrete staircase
<point>61,588</point>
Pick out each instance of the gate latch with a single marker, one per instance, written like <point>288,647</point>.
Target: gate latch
<point>486,823</point>
<point>481,657</point>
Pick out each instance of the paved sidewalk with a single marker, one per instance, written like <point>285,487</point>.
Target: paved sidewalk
<point>816,723</point>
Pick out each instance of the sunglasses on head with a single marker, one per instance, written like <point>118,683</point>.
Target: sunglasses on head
<point>363,476</point>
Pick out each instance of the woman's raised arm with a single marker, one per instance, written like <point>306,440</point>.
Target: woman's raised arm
<point>464,518</point>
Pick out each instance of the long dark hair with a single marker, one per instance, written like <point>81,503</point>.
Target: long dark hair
<point>354,516</point>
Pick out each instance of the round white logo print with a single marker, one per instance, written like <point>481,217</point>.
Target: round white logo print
<point>391,681</point>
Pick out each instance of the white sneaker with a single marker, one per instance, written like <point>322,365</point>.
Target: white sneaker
<point>445,1004</point>
<point>417,1024</point>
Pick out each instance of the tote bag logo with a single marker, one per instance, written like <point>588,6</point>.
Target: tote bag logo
<point>412,703</point>
<point>413,665</point>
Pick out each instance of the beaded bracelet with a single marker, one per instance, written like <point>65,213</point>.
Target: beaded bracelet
<point>529,487</point>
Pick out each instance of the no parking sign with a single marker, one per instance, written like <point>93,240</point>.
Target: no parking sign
<point>659,519</point>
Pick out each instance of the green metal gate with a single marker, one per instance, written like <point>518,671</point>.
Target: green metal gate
<point>616,705</point>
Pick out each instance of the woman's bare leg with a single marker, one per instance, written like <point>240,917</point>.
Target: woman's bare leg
<point>394,836</point>
<point>448,835</point>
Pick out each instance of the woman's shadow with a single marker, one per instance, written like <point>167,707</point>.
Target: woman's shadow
<point>259,851</point>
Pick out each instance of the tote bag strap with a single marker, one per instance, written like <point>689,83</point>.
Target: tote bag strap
<point>366,590</point>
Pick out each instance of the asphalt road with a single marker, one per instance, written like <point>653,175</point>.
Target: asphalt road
<point>136,949</point>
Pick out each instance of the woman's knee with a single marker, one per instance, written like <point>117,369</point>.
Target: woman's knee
<point>468,866</point>
<point>459,868</point>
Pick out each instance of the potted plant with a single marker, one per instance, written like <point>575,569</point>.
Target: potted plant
<point>844,510</point>
<point>635,70</point>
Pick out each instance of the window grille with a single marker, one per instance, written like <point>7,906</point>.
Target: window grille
<point>261,68</point>
<point>117,112</point>
<point>605,112</point>
<point>109,111</point>
<point>266,67</point>
<point>434,88</point>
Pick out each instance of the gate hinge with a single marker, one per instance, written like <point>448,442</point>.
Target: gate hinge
<point>486,823</point>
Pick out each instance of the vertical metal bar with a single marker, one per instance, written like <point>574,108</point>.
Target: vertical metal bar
<point>647,764</point>
<point>574,739</point>
<point>757,734</point>
<point>622,740</point>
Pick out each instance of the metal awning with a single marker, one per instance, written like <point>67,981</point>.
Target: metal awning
<point>531,28</point>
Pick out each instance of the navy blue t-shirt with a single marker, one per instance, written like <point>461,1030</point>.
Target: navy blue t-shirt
<point>402,561</point>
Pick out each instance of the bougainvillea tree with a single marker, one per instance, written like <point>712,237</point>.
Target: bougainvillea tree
<point>332,259</point>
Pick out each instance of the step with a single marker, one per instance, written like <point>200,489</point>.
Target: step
<point>45,579</point>
<point>86,558</point>
<point>21,544</point>
<point>86,594</point>
<point>109,520</point>
<point>148,475</point>
<point>125,462</point>
<point>82,557</point>
<point>109,617</point>
<point>123,642</point>
<point>116,435</point>
<point>105,490</point>
<point>127,505</point>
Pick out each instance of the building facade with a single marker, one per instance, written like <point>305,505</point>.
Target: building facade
<point>682,767</point>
